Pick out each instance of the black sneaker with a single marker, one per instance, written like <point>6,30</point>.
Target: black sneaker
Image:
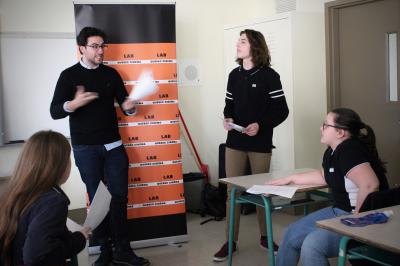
<point>126,257</point>
<point>223,253</point>
<point>105,257</point>
<point>264,244</point>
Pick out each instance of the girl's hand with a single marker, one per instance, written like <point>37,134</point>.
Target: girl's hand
<point>280,181</point>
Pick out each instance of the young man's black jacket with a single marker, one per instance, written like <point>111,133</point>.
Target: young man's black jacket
<point>254,96</point>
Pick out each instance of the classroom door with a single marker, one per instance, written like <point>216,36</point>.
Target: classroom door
<point>358,62</point>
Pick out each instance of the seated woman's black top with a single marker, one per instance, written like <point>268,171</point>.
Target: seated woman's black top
<point>338,163</point>
<point>42,236</point>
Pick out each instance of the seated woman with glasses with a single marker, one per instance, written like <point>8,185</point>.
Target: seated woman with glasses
<point>352,169</point>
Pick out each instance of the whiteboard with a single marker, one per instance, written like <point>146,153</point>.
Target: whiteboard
<point>30,67</point>
<point>277,32</point>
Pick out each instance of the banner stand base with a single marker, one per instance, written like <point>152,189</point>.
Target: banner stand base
<point>173,240</point>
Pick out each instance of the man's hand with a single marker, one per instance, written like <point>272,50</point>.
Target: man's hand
<point>251,129</point>
<point>227,124</point>
<point>129,105</point>
<point>81,98</point>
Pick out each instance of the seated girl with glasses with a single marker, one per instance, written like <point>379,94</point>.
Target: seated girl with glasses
<point>352,169</point>
<point>33,210</point>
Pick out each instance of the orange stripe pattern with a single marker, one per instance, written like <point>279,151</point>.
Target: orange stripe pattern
<point>151,137</point>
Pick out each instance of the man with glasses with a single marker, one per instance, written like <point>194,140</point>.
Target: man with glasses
<point>85,92</point>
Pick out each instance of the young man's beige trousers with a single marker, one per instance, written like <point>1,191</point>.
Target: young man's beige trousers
<point>235,165</point>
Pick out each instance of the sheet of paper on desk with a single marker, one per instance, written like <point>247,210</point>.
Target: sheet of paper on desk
<point>284,191</point>
<point>73,226</point>
<point>99,207</point>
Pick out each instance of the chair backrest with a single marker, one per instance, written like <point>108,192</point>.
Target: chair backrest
<point>381,199</point>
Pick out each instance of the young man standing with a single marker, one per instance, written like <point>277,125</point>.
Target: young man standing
<point>85,92</point>
<point>255,100</point>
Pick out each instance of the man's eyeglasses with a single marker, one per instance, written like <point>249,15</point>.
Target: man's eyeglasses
<point>97,46</point>
<point>325,125</point>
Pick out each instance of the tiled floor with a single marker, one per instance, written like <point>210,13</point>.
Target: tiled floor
<point>206,239</point>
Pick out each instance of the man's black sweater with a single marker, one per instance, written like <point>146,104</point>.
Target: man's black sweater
<point>96,122</point>
<point>254,95</point>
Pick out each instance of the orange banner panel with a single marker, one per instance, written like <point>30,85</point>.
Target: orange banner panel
<point>160,71</point>
<point>170,172</point>
<point>140,134</point>
<point>156,211</point>
<point>151,137</point>
<point>157,112</point>
<point>156,200</point>
<point>140,51</point>
<point>155,193</point>
<point>164,92</point>
<point>154,153</point>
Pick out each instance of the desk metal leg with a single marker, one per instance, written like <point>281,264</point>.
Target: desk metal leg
<point>231,224</point>
<point>306,205</point>
<point>343,250</point>
<point>268,224</point>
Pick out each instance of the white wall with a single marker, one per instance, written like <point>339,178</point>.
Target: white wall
<point>199,37</point>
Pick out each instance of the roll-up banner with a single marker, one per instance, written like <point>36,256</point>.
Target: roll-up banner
<point>142,37</point>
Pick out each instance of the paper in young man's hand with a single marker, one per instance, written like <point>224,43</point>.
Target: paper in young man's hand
<point>99,207</point>
<point>236,127</point>
<point>145,86</point>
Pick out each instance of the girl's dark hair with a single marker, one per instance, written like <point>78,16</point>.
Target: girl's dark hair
<point>258,48</point>
<point>351,121</point>
<point>87,32</point>
<point>41,165</point>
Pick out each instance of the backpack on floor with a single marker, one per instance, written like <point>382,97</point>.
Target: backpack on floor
<point>213,202</point>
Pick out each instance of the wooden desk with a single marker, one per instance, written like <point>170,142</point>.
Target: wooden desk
<point>244,183</point>
<point>383,236</point>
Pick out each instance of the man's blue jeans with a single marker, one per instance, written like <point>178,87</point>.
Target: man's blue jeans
<point>95,163</point>
<point>312,244</point>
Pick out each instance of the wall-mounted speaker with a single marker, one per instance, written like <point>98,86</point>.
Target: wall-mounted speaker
<point>188,72</point>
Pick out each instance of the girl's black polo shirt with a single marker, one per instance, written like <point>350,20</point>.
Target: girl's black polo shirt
<point>336,164</point>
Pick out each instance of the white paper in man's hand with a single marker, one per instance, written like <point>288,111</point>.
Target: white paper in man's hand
<point>145,86</point>
<point>99,207</point>
<point>284,191</point>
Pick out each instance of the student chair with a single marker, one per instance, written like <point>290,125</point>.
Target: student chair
<point>364,255</point>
